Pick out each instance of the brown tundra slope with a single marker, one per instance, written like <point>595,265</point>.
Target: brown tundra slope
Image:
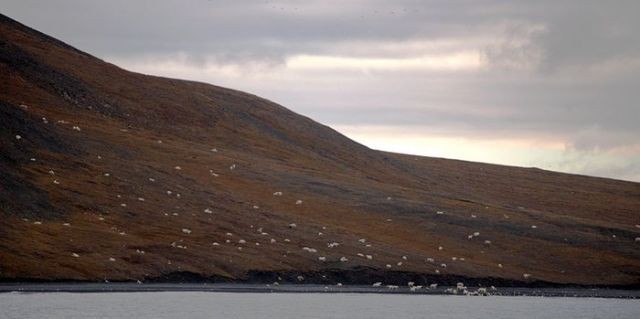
<point>110,174</point>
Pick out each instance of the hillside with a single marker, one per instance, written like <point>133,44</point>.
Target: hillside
<point>110,174</point>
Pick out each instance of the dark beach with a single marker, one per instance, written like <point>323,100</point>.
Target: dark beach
<point>291,288</point>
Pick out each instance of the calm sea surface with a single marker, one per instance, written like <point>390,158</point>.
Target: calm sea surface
<point>304,305</point>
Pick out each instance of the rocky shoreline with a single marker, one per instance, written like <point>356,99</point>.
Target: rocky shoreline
<point>309,288</point>
<point>361,280</point>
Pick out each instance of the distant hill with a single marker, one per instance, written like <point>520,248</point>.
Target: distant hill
<point>110,174</point>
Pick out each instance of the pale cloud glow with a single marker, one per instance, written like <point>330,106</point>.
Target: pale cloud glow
<point>454,61</point>
<point>520,151</point>
<point>515,151</point>
<point>527,83</point>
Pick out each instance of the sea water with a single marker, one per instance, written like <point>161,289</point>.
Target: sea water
<point>304,305</point>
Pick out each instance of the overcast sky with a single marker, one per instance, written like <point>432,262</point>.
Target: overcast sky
<point>551,84</point>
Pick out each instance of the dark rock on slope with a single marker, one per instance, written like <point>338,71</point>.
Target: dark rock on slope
<point>123,176</point>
